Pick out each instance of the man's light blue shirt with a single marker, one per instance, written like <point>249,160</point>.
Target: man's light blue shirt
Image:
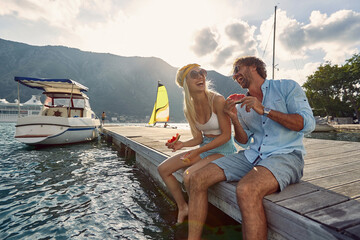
<point>267,137</point>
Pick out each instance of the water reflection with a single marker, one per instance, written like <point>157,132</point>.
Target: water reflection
<point>353,136</point>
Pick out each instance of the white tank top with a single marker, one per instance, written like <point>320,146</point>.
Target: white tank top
<point>211,127</point>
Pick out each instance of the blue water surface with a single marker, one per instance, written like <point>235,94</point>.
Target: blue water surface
<point>80,191</point>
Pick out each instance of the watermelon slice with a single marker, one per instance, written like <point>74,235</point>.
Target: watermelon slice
<point>236,97</point>
<point>174,139</point>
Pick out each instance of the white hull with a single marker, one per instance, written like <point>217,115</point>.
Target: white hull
<point>49,130</point>
<point>324,128</point>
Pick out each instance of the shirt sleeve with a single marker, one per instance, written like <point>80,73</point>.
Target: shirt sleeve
<point>298,103</point>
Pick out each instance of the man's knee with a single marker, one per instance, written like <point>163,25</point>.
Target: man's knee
<point>197,180</point>
<point>242,190</point>
<point>247,193</point>
<point>186,177</point>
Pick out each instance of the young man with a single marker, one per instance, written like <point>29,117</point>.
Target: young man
<point>271,122</point>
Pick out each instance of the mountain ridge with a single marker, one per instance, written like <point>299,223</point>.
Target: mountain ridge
<point>121,86</point>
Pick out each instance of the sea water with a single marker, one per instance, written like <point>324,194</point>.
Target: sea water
<point>85,191</point>
<point>80,191</point>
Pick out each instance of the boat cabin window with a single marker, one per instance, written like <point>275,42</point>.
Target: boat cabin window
<point>78,103</point>
<point>63,100</point>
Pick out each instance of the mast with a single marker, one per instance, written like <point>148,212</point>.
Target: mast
<point>273,64</point>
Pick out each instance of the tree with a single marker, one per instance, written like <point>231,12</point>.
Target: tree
<point>352,85</point>
<point>335,90</point>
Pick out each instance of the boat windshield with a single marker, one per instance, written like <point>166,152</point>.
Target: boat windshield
<point>65,101</point>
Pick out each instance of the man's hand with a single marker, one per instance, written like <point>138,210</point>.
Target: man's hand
<point>252,103</point>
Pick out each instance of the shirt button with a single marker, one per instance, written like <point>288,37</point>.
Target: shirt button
<point>266,135</point>
<point>263,122</point>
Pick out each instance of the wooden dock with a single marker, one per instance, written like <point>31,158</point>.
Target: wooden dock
<point>324,205</point>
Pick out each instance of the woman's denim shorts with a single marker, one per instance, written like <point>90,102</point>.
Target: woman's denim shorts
<point>225,149</point>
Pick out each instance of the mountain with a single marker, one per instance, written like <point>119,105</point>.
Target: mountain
<point>120,86</point>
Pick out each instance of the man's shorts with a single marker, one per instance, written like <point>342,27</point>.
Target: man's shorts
<point>287,168</point>
<point>225,149</point>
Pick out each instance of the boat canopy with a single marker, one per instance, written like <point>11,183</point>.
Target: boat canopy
<point>52,85</point>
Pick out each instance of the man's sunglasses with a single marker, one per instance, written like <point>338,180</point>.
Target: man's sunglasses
<point>236,70</point>
<point>195,75</point>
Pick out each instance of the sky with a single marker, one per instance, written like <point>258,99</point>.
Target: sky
<point>212,33</point>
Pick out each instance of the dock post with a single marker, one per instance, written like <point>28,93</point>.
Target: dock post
<point>129,153</point>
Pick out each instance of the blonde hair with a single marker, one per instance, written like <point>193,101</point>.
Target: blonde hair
<point>189,106</point>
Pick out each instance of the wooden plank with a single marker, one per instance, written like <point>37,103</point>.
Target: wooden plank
<point>292,191</point>
<point>319,142</point>
<point>337,179</point>
<point>294,226</point>
<point>340,216</point>
<point>314,173</point>
<point>313,201</point>
<point>351,190</point>
<point>285,223</point>
<point>353,232</point>
<point>333,161</point>
<point>319,157</point>
<point>330,149</point>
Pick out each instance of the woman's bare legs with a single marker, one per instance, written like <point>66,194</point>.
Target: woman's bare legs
<point>166,170</point>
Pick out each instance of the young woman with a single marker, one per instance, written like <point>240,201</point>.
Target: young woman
<point>210,127</point>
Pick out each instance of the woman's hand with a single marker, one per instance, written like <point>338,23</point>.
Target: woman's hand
<point>175,146</point>
<point>230,109</point>
<point>188,156</point>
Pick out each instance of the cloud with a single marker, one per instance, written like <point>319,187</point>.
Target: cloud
<point>302,45</point>
<point>340,30</point>
<point>222,56</point>
<point>242,34</point>
<point>204,42</point>
<point>220,45</point>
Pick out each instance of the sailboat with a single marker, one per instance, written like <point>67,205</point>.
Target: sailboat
<point>161,109</point>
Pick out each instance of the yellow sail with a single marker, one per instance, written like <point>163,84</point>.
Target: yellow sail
<point>161,108</point>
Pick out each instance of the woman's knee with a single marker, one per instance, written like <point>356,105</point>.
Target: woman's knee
<point>162,170</point>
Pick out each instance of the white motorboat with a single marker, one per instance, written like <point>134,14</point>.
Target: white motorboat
<point>322,125</point>
<point>66,116</point>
